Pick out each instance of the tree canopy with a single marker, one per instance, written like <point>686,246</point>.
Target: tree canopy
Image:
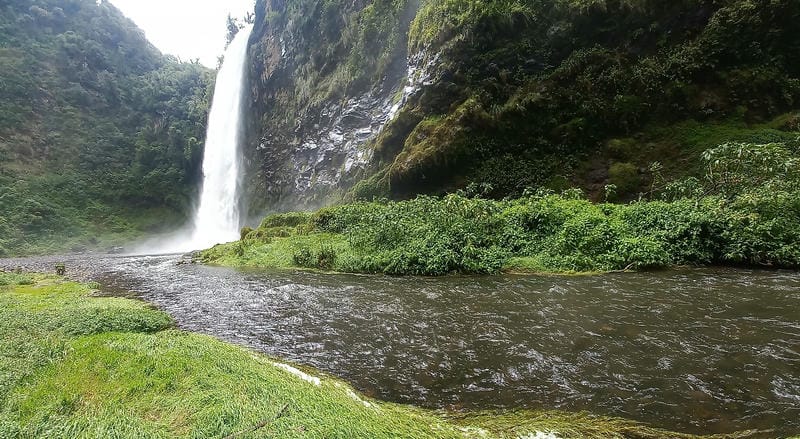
<point>96,125</point>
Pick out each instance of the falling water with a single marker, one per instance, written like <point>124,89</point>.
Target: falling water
<point>218,214</point>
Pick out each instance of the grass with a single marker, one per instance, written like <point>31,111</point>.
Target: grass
<point>274,252</point>
<point>679,145</point>
<point>77,366</point>
<point>744,212</point>
<point>535,234</point>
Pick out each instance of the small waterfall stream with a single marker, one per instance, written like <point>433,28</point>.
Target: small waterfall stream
<point>218,215</point>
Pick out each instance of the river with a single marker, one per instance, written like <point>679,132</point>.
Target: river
<point>693,350</point>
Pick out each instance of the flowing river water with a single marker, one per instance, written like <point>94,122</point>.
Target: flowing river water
<point>695,350</point>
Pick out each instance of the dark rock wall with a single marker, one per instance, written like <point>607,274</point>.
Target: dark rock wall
<point>323,84</point>
<point>393,98</point>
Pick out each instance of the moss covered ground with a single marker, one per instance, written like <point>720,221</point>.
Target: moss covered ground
<point>77,366</point>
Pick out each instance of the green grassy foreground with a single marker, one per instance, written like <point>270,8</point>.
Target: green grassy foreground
<point>76,366</point>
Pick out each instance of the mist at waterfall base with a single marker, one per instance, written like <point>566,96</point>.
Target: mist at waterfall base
<point>218,217</point>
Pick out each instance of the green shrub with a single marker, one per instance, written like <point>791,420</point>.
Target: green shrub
<point>304,257</point>
<point>7,279</point>
<point>640,253</point>
<point>561,233</point>
<point>762,229</point>
<point>326,258</point>
<point>291,219</point>
<point>456,234</point>
<point>625,176</point>
<point>733,168</point>
<point>689,230</point>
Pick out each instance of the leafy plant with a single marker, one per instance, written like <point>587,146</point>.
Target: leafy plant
<point>303,258</point>
<point>753,224</point>
<point>100,134</point>
<point>735,167</point>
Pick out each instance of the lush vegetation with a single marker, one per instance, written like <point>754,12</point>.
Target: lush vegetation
<point>564,92</point>
<point>100,134</point>
<point>72,365</point>
<point>745,212</point>
<point>521,93</point>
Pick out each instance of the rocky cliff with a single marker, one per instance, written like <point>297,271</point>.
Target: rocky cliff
<point>326,79</point>
<point>357,98</point>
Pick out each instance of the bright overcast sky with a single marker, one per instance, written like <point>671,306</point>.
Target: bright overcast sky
<point>188,29</point>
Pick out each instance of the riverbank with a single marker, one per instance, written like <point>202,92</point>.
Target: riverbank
<point>545,233</point>
<point>76,365</point>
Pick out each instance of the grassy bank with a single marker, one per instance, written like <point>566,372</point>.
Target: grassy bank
<point>77,366</point>
<point>540,233</point>
<point>746,211</point>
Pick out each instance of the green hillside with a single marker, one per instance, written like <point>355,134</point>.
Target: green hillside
<point>515,94</point>
<point>574,92</point>
<point>100,134</point>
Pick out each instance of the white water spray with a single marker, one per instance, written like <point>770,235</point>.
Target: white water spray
<point>218,215</point>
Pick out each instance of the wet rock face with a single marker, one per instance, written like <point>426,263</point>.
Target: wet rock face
<point>334,149</point>
<point>310,124</point>
<point>325,154</point>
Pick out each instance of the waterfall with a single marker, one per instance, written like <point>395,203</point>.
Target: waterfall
<point>218,216</point>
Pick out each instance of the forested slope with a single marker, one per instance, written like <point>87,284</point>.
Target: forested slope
<point>100,134</point>
<point>546,92</point>
<point>511,94</point>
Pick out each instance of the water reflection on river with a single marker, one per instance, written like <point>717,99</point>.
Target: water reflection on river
<point>711,350</point>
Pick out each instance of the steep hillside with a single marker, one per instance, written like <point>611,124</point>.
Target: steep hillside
<point>395,98</point>
<point>100,134</point>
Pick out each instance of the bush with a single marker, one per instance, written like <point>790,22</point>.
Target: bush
<point>456,234</point>
<point>735,168</point>
<point>762,229</point>
<point>7,279</point>
<point>291,219</point>
<point>564,233</point>
<point>625,176</point>
<point>303,258</point>
<point>326,258</point>
<point>688,230</point>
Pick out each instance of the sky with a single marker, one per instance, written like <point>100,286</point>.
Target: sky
<point>188,29</point>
